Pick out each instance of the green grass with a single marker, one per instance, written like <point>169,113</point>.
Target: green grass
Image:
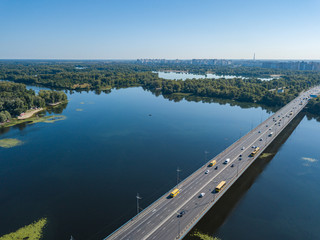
<point>202,236</point>
<point>35,119</point>
<point>105,88</point>
<point>10,142</point>
<point>29,232</point>
<point>264,155</point>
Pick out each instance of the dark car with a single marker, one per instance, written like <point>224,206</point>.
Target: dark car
<point>181,213</point>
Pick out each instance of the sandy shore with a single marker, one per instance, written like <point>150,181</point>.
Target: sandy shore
<point>53,104</point>
<point>29,113</point>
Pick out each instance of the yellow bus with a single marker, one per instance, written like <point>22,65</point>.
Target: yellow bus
<point>212,163</point>
<point>220,186</point>
<point>174,192</point>
<point>255,151</point>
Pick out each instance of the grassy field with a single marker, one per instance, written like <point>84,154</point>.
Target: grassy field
<point>29,232</point>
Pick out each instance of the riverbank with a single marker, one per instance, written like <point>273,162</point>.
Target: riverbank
<point>29,113</point>
<point>29,116</point>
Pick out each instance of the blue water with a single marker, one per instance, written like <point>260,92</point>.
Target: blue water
<point>83,173</point>
<point>184,76</point>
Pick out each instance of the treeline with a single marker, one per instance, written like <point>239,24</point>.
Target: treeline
<point>99,75</point>
<point>16,99</point>
<point>51,97</point>
<point>314,106</point>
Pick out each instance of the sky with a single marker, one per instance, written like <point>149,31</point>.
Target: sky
<point>171,29</point>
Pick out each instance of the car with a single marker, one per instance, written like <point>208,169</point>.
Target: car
<point>206,172</point>
<point>232,165</point>
<point>216,168</point>
<point>201,195</point>
<point>259,132</point>
<point>270,129</point>
<point>181,214</point>
<point>240,159</point>
<point>240,155</point>
<point>260,139</point>
<point>226,161</point>
<point>266,125</point>
<point>242,148</point>
<point>253,146</point>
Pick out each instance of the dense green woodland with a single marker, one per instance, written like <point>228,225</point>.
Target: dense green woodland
<point>104,75</point>
<point>15,99</point>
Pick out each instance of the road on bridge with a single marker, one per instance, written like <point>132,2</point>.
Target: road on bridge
<point>163,218</point>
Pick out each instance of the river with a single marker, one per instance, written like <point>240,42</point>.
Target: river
<point>83,173</point>
<point>184,75</point>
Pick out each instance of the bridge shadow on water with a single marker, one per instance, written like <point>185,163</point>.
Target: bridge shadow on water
<point>216,216</point>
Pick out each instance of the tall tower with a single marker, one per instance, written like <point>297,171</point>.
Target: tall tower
<point>254,56</point>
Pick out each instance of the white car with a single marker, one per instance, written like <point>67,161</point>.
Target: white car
<point>206,172</point>
<point>242,148</point>
<point>201,195</point>
<point>227,160</point>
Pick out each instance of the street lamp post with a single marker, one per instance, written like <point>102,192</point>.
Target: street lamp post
<point>178,170</point>
<point>138,198</point>
<point>205,156</point>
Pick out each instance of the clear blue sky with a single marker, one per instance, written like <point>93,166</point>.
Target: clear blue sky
<point>184,29</point>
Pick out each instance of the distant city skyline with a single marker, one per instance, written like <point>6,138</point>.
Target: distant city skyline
<point>141,29</point>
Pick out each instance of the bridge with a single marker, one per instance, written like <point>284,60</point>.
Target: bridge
<point>173,218</point>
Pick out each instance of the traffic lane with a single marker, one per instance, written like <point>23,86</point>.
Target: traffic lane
<point>178,200</point>
<point>153,216</point>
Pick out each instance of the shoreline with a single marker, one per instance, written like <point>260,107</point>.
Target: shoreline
<point>26,116</point>
<point>53,104</point>
<point>29,114</point>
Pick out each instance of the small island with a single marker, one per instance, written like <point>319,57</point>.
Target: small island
<point>19,103</point>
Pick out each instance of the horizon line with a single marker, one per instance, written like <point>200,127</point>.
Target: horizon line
<point>170,59</point>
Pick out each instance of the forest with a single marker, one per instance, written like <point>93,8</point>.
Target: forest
<point>105,75</point>
<point>15,99</point>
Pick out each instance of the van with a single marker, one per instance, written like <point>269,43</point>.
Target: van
<point>227,160</point>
